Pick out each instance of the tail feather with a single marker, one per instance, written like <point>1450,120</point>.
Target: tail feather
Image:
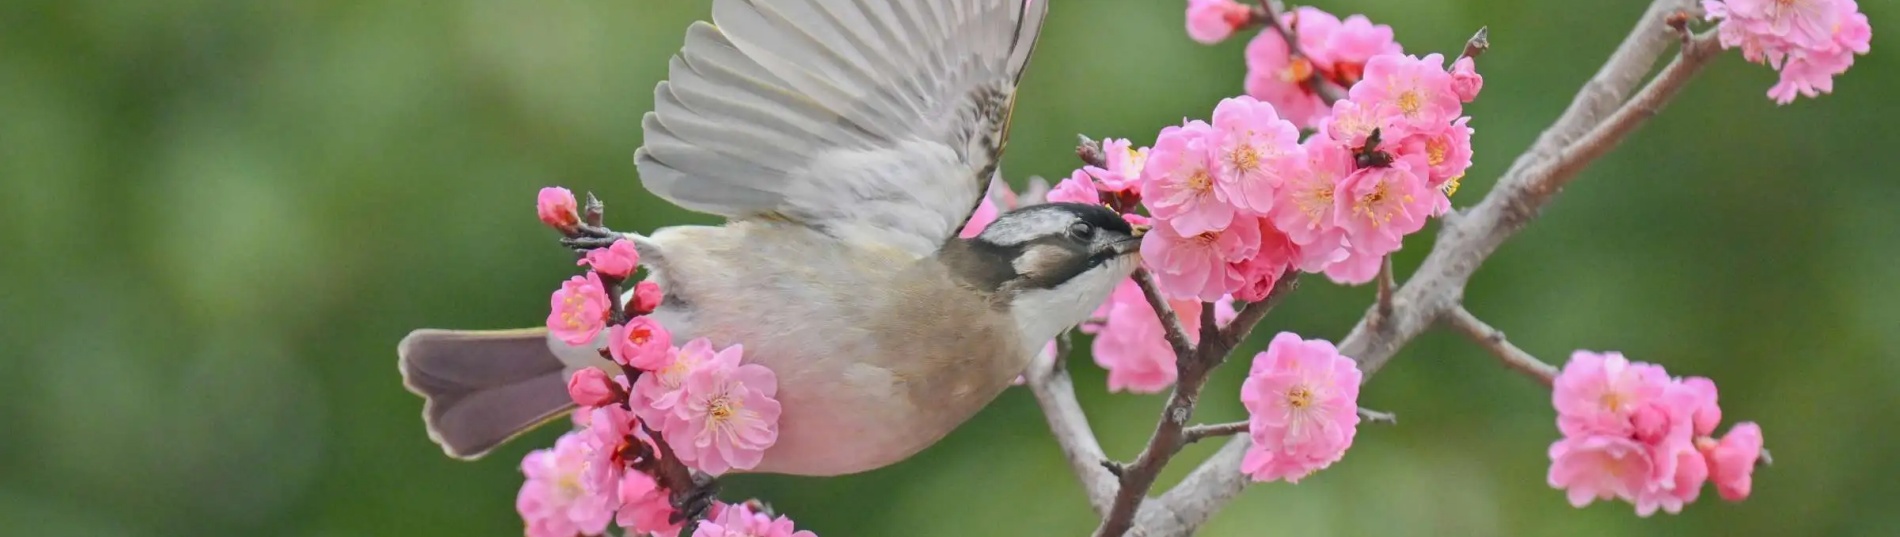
<point>482,388</point>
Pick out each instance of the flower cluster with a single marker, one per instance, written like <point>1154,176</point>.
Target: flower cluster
<point>715,412</point>
<point>1302,400</point>
<point>1634,433</point>
<point>1132,346</point>
<point>743,520</point>
<point>1808,41</point>
<point>1331,52</point>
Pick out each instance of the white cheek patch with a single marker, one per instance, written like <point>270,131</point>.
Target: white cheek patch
<point>1039,259</point>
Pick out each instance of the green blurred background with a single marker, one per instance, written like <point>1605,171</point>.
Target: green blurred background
<point>218,218</point>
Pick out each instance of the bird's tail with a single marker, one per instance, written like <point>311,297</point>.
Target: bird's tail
<point>482,388</point>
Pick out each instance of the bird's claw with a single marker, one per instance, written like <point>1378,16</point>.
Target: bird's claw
<point>690,506</point>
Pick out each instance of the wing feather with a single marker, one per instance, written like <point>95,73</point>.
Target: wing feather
<point>868,119</point>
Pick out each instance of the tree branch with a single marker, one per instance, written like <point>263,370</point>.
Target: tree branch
<point>1198,432</point>
<point>1170,322</point>
<point>1055,392</point>
<point>1465,242</point>
<point>1493,340</point>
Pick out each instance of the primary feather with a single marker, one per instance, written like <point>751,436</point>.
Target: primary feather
<point>867,120</point>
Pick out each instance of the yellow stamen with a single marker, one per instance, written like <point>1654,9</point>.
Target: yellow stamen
<point>1299,397</point>
<point>1410,102</point>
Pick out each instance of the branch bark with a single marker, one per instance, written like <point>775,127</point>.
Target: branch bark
<point>1493,340</point>
<point>1055,392</point>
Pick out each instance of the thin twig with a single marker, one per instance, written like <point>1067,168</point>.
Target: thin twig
<point>1493,340</point>
<point>1196,433</point>
<point>1373,416</point>
<point>1170,322</point>
<point>1275,15</point>
<point>1250,315</point>
<point>1476,46</point>
<point>1384,301</point>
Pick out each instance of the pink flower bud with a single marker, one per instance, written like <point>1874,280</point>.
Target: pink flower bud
<point>641,344</point>
<point>1465,80</point>
<point>1212,21</point>
<point>617,260</point>
<point>1732,461</point>
<point>646,298</point>
<point>590,387</point>
<point>558,209</point>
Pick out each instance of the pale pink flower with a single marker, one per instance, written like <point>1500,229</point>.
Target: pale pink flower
<point>553,501</point>
<point>1802,23</point>
<point>1132,345</point>
<point>1304,211</point>
<point>986,213</point>
<point>1598,467</point>
<point>1809,41</point>
<point>641,344</point>
<point>727,414</point>
<point>1447,151</point>
<point>617,260</point>
<point>1352,122</point>
<point>656,393</point>
<point>739,520</point>
<point>1178,182</point>
<point>1276,76</point>
<point>1211,21</point>
<point>1465,80</point>
<point>1199,266</point>
<point>1255,151</point>
<point>1688,471</point>
<point>1599,393</point>
<point>557,208</point>
<point>646,298</point>
<point>1419,90</point>
<point>1302,400</point>
<point>1076,189</point>
<point>1348,48</point>
<point>580,310</point>
<point>1356,266</point>
<point>1125,163</point>
<point>1262,271</point>
<point>1378,207</point>
<point>590,387</point>
<point>1732,461</point>
<point>609,430</point>
<point>644,506</point>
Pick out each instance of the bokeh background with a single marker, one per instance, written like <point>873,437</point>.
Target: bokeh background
<point>218,217</point>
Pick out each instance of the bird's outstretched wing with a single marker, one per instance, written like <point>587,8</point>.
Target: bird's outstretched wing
<point>878,120</point>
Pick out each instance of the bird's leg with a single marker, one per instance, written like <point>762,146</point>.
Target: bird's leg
<point>690,506</point>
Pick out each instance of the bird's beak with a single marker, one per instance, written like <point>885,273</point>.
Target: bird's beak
<point>1129,246</point>
<point>1140,229</point>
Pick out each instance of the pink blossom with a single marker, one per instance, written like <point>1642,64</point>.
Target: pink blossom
<point>1132,345</point>
<point>1356,266</point>
<point>1419,90</point>
<point>590,387</point>
<point>1705,413</point>
<point>739,520</point>
<point>1378,207</point>
<point>1304,210</point>
<point>1599,467</point>
<point>656,393</point>
<point>1802,23</point>
<point>1178,182</point>
<point>1809,41</point>
<point>1465,80</point>
<point>1732,461</point>
<point>986,213</point>
<point>580,310</point>
<point>1599,393</point>
<point>1681,486</point>
<point>1255,151</point>
<point>609,430</point>
<point>646,298</point>
<point>1348,48</point>
<point>1302,400</point>
<point>553,501</point>
<point>1125,163</point>
<point>1352,122</point>
<point>1263,271</point>
<point>1276,76</point>
<point>1211,21</point>
<point>727,414</point>
<point>644,506</point>
<point>641,344</point>
<point>1076,189</point>
<point>557,209</point>
<point>1447,151</point>
<point>1199,266</point>
<point>616,260</point>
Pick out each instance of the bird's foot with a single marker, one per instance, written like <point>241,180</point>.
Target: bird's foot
<point>691,505</point>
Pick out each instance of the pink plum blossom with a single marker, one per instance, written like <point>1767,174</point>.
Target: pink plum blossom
<point>1419,90</point>
<point>1132,345</point>
<point>590,387</point>
<point>641,344</point>
<point>1178,181</point>
<point>1378,207</point>
<point>1076,189</point>
<point>1276,76</point>
<point>1352,122</point>
<point>1599,467</point>
<point>617,260</point>
<point>1262,272</point>
<point>1732,461</point>
<point>1355,266</point>
<point>646,298</point>
<point>556,208</point>
<point>1346,49</point>
<point>1304,210</point>
<point>553,502</point>
<point>644,506</point>
<point>656,393</point>
<point>1465,80</point>
<point>1211,21</point>
<point>1255,151</point>
<point>1302,406</point>
<point>1599,393</point>
<point>1125,163</point>
<point>1808,41</point>
<point>1199,266</point>
<point>609,430</point>
<point>580,310</point>
<point>739,520</point>
<point>727,416</point>
<point>1447,151</point>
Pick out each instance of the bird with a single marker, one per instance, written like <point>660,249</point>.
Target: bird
<point>846,143</point>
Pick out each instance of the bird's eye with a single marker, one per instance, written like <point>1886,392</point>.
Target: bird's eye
<point>1081,230</point>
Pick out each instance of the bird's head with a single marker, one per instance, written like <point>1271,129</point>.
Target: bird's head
<point>1051,264</point>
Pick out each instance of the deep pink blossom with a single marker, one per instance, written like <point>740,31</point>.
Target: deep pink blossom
<point>1254,152</point>
<point>1263,271</point>
<point>644,506</point>
<point>1199,266</point>
<point>1178,181</point>
<point>1732,461</point>
<point>641,344</point>
<point>1347,49</point>
<point>727,414</point>
<point>553,502</point>
<point>646,298</point>
<point>1302,405</point>
<point>556,208</point>
<point>1276,76</point>
<point>1465,80</point>
<point>590,387</point>
<point>609,430</point>
<point>986,212</point>
<point>580,310</point>
<point>617,260</point>
<point>1131,343</point>
<point>1078,188</point>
